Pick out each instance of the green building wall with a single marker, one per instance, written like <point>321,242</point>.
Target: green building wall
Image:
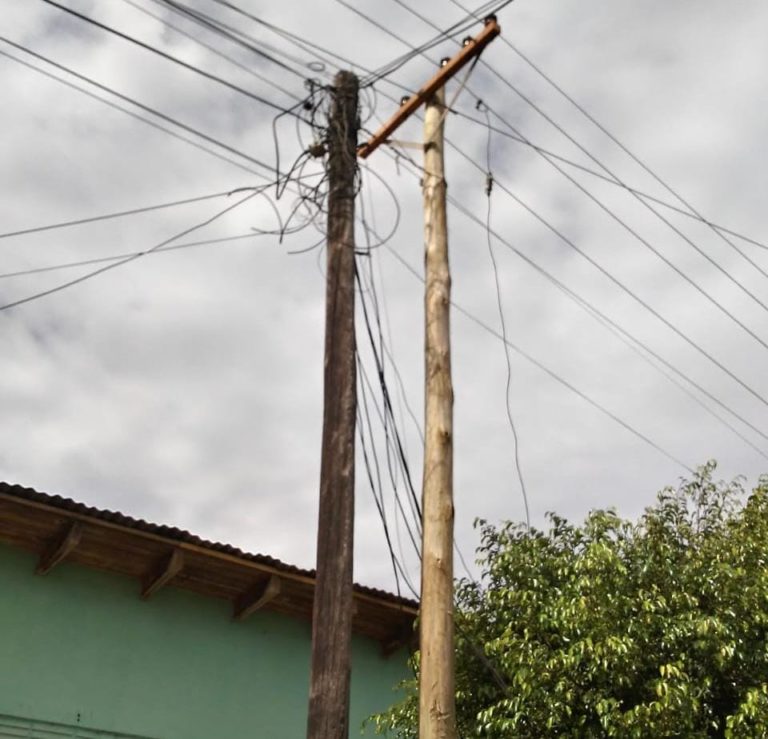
<point>78,647</point>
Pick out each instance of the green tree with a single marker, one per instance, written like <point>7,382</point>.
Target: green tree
<point>657,628</point>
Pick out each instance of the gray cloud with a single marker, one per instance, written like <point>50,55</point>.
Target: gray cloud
<point>187,387</point>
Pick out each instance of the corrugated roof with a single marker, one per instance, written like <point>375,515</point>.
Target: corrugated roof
<point>174,534</point>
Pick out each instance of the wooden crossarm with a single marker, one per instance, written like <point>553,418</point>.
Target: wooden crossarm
<point>470,50</point>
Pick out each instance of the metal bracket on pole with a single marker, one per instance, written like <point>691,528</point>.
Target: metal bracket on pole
<point>472,47</point>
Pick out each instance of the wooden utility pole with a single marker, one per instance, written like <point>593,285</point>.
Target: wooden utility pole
<point>332,615</point>
<point>437,705</point>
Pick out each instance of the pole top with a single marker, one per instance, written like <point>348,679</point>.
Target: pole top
<point>471,48</point>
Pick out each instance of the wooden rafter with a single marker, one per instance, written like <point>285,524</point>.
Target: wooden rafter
<point>471,49</point>
<point>257,597</point>
<point>134,551</point>
<point>60,548</point>
<point>162,574</point>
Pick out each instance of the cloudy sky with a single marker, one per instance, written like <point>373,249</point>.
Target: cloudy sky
<point>186,387</point>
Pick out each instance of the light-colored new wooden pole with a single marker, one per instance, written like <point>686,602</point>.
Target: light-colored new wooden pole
<point>437,705</point>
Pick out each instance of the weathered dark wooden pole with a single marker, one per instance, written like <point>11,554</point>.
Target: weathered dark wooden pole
<point>437,704</point>
<point>332,615</point>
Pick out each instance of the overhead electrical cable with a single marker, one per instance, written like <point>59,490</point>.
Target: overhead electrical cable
<point>591,308</point>
<point>605,208</point>
<point>197,145</point>
<point>141,106</point>
<point>588,170</point>
<point>375,483</point>
<point>386,397</point>
<point>197,70</point>
<point>718,229</point>
<point>133,257</point>
<point>592,172</point>
<point>324,54</point>
<point>458,28</point>
<point>647,205</point>
<point>610,180</point>
<point>618,181</point>
<point>368,288</point>
<point>213,50</point>
<point>117,257</point>
<point>648,245</point>
<point>580,300</point>
<point>595,404</point>
<point>605,272</point>
<point>118,214</point>
<point>413,529</point>
<point>236,36</point>
<point>612,278</point>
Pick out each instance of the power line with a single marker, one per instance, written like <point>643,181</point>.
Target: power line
<point>585,303</point>
<point>610,180</point>
<point>175,60</point>
<point>133,115</point>
<point>131,258</point>
<point>386,398</point>
<point>455,29</point>
<point>582,302</point>
<point>213,50</point>
<point>302,43</point>
<point>233,35</point>
<point>388,412</point>
<point>601,269</point>
<point>133,101</point>
<point>653,249</point>
<point>519,138</point>
<point>605,178</point>
<point>376,485</point>
<point>618,181</point>
<point>117,257</point>
<point>109,216</point>
<point>607,210</point>
<point>719,230</point>
<point>614,279</point>
<point>280,178</point>
<point>548,371</point>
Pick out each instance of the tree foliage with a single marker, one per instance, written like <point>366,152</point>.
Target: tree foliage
<point>657,628</point>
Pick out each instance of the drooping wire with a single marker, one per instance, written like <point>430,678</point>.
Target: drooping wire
<point>387,403</point>
<point>503,324</point>
<point>382,352</point>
